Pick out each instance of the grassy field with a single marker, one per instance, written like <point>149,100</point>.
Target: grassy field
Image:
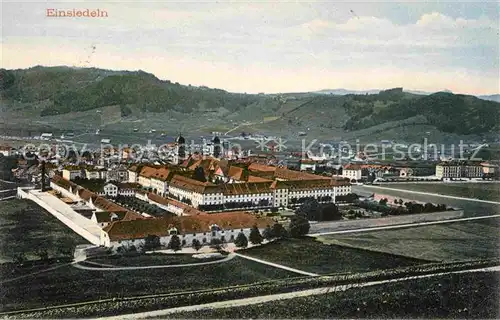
<point>468,295</point>
<point>483,191</point>
<point>313,256</point>
<point>26,229</point>
<point>69,284</point>
<point>444,242</point>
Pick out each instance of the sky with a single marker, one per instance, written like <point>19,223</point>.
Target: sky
<point>268,46</point>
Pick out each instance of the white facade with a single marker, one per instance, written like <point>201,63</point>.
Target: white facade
<point>133,176</point>
<point>352,174</point>
<point>6,151</point>
<point>307,166</point>
<point>127,192</point>
<point>279,197</point>
<point>92,174</point>
<point>159,186</point>
<point>144,181</point>
<point>110,190</point>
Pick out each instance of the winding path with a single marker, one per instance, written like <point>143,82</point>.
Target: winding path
<point>280,266</point>
<point>229,257</point>
<point>280,296</point>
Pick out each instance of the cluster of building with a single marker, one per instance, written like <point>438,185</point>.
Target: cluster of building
<point>216,185</point>
<point>121,227</point>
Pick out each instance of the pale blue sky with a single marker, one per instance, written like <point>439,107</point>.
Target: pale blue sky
<point>258,46</point>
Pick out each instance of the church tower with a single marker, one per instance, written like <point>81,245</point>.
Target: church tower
<point>180,151</point>
<point>217,147</point>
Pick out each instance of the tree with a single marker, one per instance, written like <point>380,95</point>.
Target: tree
<point>274,209</point>
<point>330,212</point>
<point>175,243</point>
<point>255,236</point>
<point>268,233</point>
<point>151,242</point>
<point>278,231</point>
<point>310,209</point>
<point>196,244</point>
<point>299,226</point>
<point>241,240</point>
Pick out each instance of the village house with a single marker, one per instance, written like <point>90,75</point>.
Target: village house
<point>72,172</point>
<point>133,173</point>
<point>110,190</point>
<point>92,173</point>
<point>6,151</point>
<point>307,165</point>
<point>117,173</point>
<point>352,172</point>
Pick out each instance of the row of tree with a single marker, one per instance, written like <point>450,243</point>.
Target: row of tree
<point>299,226</point>
<point>402,208</point>
<point>314,211</point>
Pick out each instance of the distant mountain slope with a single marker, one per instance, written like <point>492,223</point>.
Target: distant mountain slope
<point>55,91</point>
<point>492,97</point>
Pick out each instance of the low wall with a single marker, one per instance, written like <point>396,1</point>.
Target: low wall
<point>92,238</point>
<point>385,221</point>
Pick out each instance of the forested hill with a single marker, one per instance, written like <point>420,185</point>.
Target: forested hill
<point>50,91</point>
<point>449,112</point>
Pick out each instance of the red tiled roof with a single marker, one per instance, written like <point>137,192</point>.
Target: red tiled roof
<point>257,179</point>
<point>287,174</point>
<point>139,229</point>
<point>186,183</point>
<point>246,188</point>
<point>235,172</point>
<point>351,166</point>
<point>261,167</point>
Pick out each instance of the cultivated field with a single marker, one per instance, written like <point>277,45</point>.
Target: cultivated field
<point>313,256</point>
<point>467,295</point>
<point>483,191</point>
<point>69,284</point>
<point>444,242</point>
<point>28,231</point>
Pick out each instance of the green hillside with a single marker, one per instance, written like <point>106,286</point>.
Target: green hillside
<point>50,93</point>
